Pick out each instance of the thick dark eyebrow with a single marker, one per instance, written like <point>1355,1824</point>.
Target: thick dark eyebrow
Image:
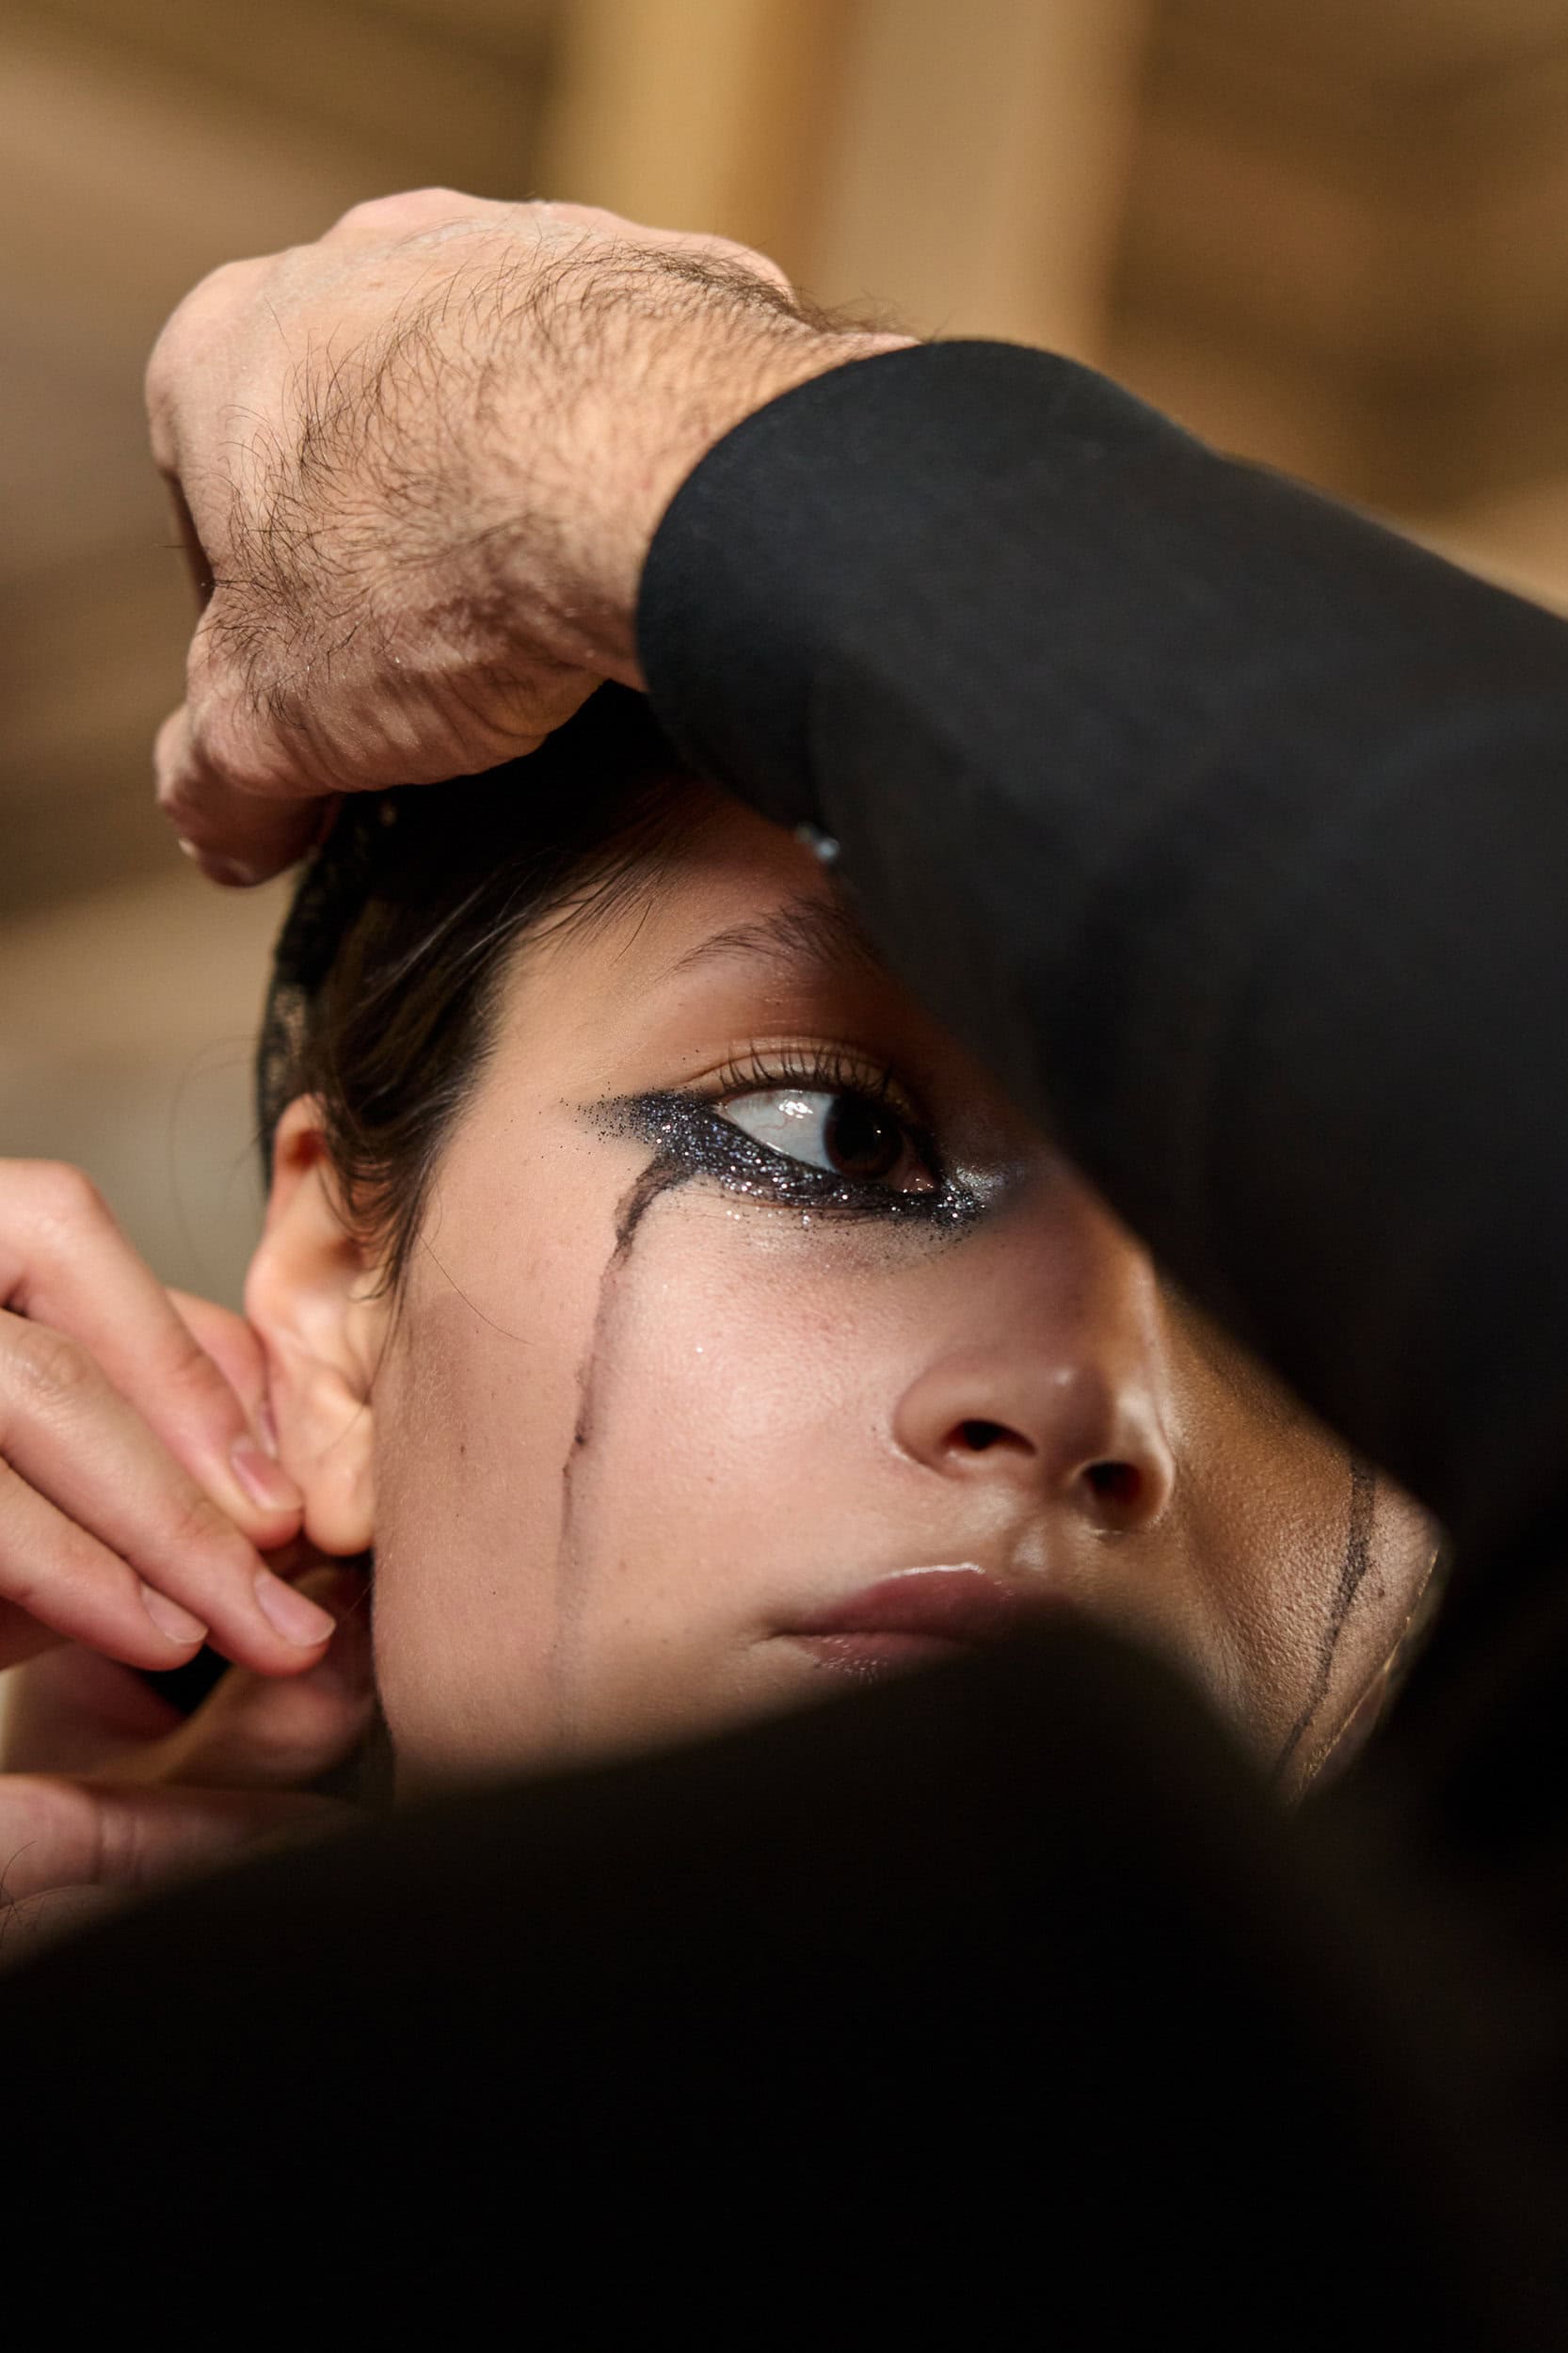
<point>802,931</point>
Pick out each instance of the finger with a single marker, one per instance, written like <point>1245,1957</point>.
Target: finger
<point>30,1927</point>
<point>71,1833</point>
<point>77,1712</point>
<point>237,837</point>
<point>235,1348</point>
<point>255,1733</point>
<point>101,1528</point>
<point>60,1584</point>
<point>410,213</point>
<point>24,1637</point>
<point>65,1265</point>
<point>181,357</point>
<point>197,561</point>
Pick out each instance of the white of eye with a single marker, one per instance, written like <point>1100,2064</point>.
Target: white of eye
<point>787,1121</point>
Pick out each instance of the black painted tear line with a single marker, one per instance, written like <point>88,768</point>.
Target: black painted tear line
<point>662,1174</point>
<point>1353,1565</point>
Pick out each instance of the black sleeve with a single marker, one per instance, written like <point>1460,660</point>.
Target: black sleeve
<point>1227,827</point>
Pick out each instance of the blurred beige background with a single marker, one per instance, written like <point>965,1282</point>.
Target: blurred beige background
<point>1334,237</point>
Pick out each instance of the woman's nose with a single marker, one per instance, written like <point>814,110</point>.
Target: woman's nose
<point>1075,1431</point>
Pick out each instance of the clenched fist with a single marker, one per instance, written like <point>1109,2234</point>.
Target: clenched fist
<point>420,464</point>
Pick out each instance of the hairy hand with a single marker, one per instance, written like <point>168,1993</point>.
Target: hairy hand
<point>420,464</point>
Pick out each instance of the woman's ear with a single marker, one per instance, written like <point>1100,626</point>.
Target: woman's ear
<point>315,1300</point>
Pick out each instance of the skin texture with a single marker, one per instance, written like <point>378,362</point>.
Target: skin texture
<point>640,1407</point>
<point>417,466</point>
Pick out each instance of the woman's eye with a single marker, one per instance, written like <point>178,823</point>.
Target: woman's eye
<point>843,1133</point>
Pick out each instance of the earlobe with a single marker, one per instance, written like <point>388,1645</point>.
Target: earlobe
<point>315,1302</point>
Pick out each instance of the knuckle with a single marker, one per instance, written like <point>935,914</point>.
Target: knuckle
<point>166,361</point>
<point>55,1370</point>
<point>62,1200</point>
<point>178,329</point>
<point>158,383</point>
<point>216,292</point>
<point>213,295</point>
<point>186,1368</point>
<point>192,1523</point>
<point>118,1843</point>
<point>229,641</point>
<point>409,208</point>
<point>74,1570</point>
<point>228,748</point>
<point>219,657</point>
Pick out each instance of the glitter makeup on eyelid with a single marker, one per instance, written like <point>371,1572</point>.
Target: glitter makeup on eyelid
<point>693,1136</point>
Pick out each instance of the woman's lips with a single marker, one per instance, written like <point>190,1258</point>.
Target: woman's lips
<point>918,1615</point>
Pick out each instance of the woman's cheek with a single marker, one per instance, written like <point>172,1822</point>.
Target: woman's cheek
<point>734,1413</point>
<point>477,1409</point>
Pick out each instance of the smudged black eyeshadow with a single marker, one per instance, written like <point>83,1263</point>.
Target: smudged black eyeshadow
<point>691,1136</point>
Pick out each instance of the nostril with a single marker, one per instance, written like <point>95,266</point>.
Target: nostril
<point>978,1435</point>
<point>1115,1483</point>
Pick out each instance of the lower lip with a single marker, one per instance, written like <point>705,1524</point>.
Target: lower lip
<point>916,1618</point>
<point>866,1657</point>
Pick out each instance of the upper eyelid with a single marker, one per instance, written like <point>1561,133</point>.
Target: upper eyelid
<point>821,1068</point>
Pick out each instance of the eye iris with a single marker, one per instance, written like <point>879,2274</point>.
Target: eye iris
<point>861,1139</point>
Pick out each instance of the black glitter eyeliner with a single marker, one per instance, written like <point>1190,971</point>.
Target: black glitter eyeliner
<point>692,1135</point>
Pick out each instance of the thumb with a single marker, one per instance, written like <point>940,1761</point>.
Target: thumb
<point>78,1833</point>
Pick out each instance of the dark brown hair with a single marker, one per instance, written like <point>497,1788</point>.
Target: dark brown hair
<point>388,971</point>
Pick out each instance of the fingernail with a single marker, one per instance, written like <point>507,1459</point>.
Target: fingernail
<point>290,1614</point>
<point>234,872</point>
<point>265,1481</point>
<point>170,1619</point>
<point>231,872</point>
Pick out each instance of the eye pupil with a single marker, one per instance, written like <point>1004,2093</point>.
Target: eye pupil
<point>861,1139</point>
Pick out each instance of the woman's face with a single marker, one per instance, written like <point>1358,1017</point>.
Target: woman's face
<point>753,1345</point>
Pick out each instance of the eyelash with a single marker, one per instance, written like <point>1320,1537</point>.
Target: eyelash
<point>687,1127</point>
<point>827,1069</point>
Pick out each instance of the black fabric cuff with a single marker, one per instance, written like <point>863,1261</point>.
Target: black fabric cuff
<point>775,551</point>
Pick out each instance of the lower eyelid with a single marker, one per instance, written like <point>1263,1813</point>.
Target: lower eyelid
<point>687,1128</point>
<point>827,1185</point>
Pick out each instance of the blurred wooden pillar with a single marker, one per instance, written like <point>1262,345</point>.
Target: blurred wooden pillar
<point>695,114</point>
<point>961,167</point>
<point>980,164</point>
